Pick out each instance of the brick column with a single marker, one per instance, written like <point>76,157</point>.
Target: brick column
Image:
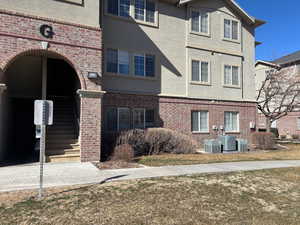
<point>90,125</point>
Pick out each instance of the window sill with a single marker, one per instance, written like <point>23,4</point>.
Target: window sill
<point>200,132</point>
<point>231,40</point>
<point>232,132</point>
<point>130,76</point>
<point>231,86</point>
<point>200,83</point>
<point>201,34</point>
<point>132,20</point>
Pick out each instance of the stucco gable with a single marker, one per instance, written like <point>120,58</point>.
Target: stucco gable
<point>237,9</point>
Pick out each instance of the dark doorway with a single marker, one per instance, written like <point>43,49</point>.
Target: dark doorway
<point>22,148</point>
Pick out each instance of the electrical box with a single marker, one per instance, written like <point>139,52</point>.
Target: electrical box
<point>228,143</point>
<point>242,145</point>
<point>212,146</point>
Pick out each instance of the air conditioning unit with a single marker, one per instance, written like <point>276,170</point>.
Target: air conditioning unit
<point>228,142</point>
<point>212,146</point>
<point>242,145</point>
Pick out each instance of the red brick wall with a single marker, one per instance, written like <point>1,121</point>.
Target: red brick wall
<point>78,45</point>
<point>288,125</point>
<point>175,113</point>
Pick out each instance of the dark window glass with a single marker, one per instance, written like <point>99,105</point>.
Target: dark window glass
<point>150,11</point>
<point>113,7</point>
<point>150,65</point>
<point>149,118</point>
<point>112,60</point>
<point>111,119</point>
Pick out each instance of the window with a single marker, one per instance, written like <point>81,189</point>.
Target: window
<point>117,61</point>
<point>144,65</point>
<point>144,10</point>
<point>200,71</point>
<point>200,121</point>
<point>117,119</point>
<point>200,22</point>
<point>231,121</point>
<point>231,75</point>
<point>298,123</point>
<point>119,7</point>
<point>143,118</point>
<point>231,29</point>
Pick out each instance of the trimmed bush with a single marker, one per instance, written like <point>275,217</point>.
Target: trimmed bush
<point>162,140</point>
<point>263,140</point>
<point>295,136</point>
<point>123,153</point>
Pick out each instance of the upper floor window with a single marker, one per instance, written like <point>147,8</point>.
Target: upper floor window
<point>144,10</point>
<point>199,22</point>
<point>117,61</point>
<point>119,7</point>
<point>231,29</point>
<point>231,75</point>
<point>123,62</point>
<point>144,65</point>
<point>200,71</point>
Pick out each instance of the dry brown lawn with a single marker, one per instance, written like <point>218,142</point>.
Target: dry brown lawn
<point>268,197</point>
<point>292,153</point>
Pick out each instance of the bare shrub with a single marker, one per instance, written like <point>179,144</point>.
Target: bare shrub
<point>136,139</point>
<point>123,152</point>
<point>295,136</point>
<point>162,140</point>
<point>263,140</point>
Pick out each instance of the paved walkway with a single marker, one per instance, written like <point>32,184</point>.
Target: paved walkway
<point>60,174</point>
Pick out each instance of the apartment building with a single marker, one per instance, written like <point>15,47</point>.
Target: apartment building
<point>115,65</point>
<point>183,65</point>
<point>290,124</point>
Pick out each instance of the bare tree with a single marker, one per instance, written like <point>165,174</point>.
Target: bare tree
<point>279,94</point>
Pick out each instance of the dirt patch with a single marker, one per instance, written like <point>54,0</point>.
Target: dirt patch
<point>117,164</point>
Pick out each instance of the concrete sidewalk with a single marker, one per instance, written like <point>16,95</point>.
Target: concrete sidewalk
<point>14,178</point>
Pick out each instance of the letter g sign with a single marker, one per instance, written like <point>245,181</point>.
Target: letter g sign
<point>46,31</point>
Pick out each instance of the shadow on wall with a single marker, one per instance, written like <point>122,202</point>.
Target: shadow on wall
<point>127,34</point>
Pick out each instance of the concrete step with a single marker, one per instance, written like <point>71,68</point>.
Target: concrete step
<point>50,152</point>
<point>60,145</point>
<point>63,158</point>
<point>61,136</point>
<point>60,131</point>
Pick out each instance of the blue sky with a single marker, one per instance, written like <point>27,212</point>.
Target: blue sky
<point>281,34</point>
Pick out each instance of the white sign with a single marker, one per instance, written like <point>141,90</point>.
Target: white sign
<point>43,112</point>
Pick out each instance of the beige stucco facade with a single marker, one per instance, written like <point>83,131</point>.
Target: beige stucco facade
<point>175,46</point>
<point>84,12</point>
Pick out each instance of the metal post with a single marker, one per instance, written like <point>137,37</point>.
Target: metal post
<point>42,149</point>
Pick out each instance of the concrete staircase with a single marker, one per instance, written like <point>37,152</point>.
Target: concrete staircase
<point>62,144</point>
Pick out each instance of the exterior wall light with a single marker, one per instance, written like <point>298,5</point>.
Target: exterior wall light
<point>92,75</point>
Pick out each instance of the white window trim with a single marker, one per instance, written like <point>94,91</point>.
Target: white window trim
<point>223,28</point>
<point>208,127</point>
<point>239,75</point>
<point>131,17</point>
<point>136,109</point>
<point>201,11</point>
<point>191,72</point>
<point>238,123</point>
<point>144,55</point>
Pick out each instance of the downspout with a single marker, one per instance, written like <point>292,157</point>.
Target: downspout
<point>243,60</point>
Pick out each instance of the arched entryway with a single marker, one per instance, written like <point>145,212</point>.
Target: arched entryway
<point>36,75</point>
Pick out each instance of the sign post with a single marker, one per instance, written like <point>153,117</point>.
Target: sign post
<point>43,115</point>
